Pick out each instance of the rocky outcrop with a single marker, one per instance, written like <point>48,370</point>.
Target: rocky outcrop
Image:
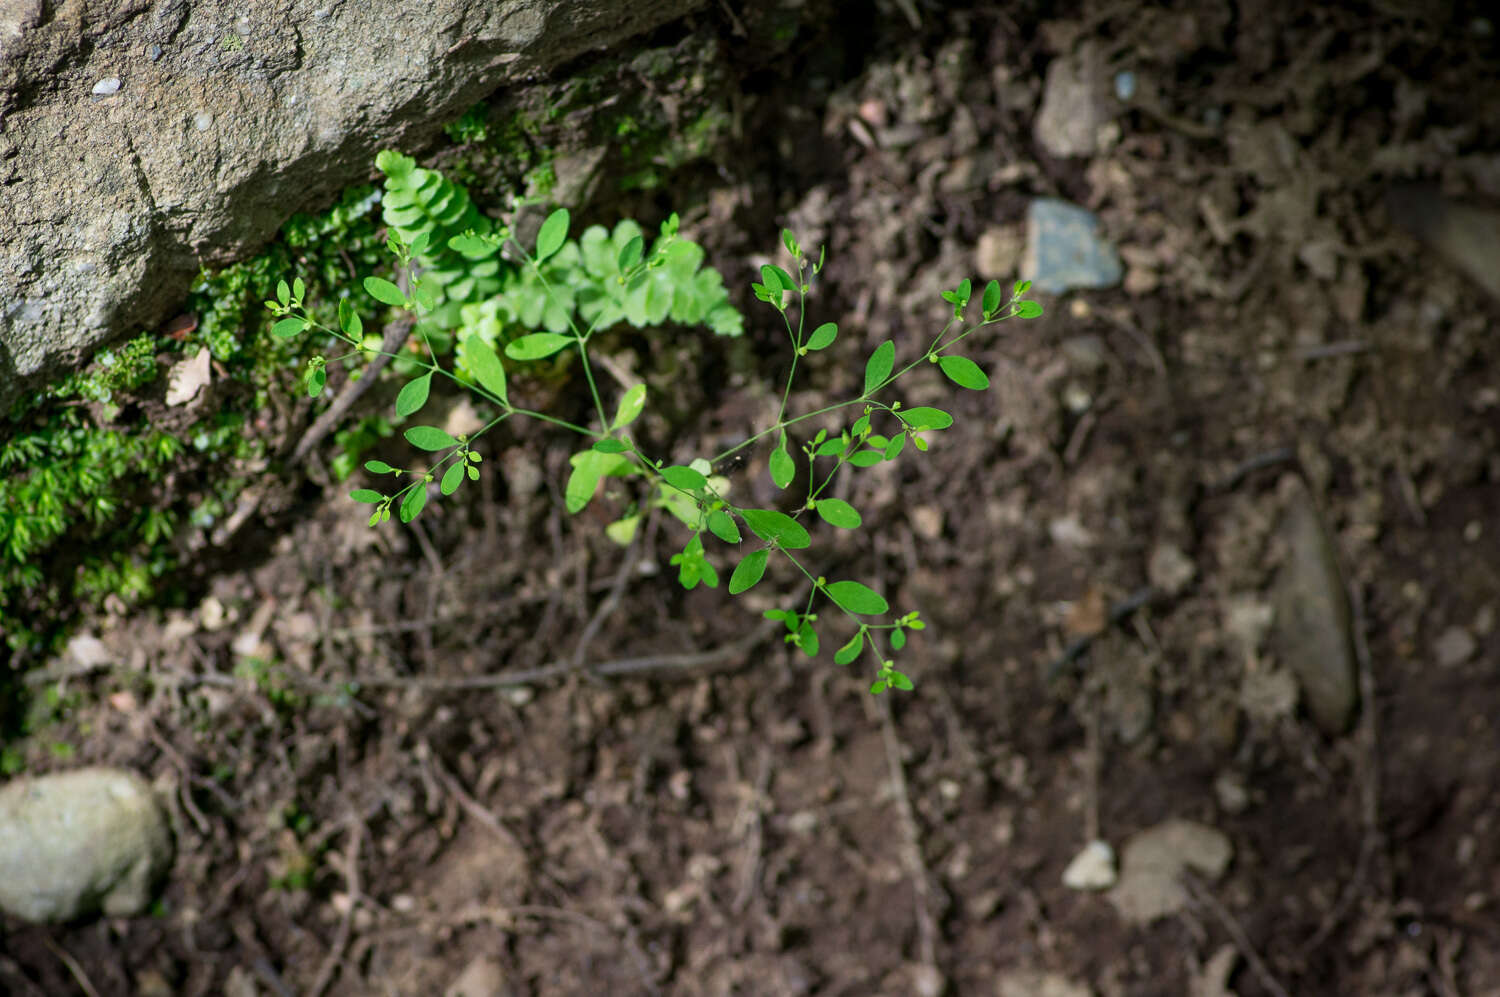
<point>140,139</point>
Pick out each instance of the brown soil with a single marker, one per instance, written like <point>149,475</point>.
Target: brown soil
<point>759,824</point>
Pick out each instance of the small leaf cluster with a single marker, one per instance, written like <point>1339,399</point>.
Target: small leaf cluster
<point>471,290</point>
<point>691,492</point>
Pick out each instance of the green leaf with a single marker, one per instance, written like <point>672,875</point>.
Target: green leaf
<point>963,291</point>
<point>964,372</point>
<point>830,447</point>
<point>783,468</point>
<point>366,495</point>
<point>776,527</point>
<point>789,241</point>
<point>553,233</point>
<point>850,651</point>
<point>991,298</point>
<point>411,506</point>
<point>878,687</point>
<point>823,336</point>
<point>413,395</point>
<point>480,358</point>
<point>385,292</point>
<point>775,277</point>
<point>685,478</point>
<point>429,438</point>
<point>622,531</point>
<point>609,446</point>
<point>899,681</point>
<point>922,417</point>
<point>807,639</point>
<point>748,571</point>
<point>898,639</point>
<point>865,458</point>
<point>894,448</point>
<point>722,525</point>
<point>1022,286</point>
<point>315,382</point>
<point>852,597</point>
<point>283,292</point>
<point>630,253</point>
<point>452,478</point>
<point>288,327</point>
<point>879,366</point>
<point>837,512</point>
<point>631,404</point>
<point>537,346</point>
<point>588,467</point>
<point>470,245</point>
<point>1029,309</point>
<point>378,467</point>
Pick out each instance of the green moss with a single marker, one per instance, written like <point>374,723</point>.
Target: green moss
<point>83,513</point>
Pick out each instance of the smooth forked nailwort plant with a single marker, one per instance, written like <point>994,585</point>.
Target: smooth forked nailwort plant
<point>604,279</point>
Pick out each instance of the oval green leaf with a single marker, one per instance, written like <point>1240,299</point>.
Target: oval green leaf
<point>482,360</point>
<point>964,372</point>
<point>378,467</point>
<point>837,512</point>
<point>783,468</point>
<point>609,446</point>
<point>926,418</point>
<point>852,597</point>
<point>722,525</point>
<point>429,438</point>
<point>385,292</point>
<point>850,651</point>
<point>413,396</point>
<point>748,571</point>
<point>630,253</point>
<point>553,233</point>
<point>288,327</point>
<point>411,506</point>
<point>865,458</point>
<point>823,336</point>
<point>1029,309</point>
<point>777,527</point>
<point>631,404</point>
<point>452,478</point>
<point>684,478</point>
<point>537,346</point>
<point>879,366</point>
<point>366,495</point>
<point>991,298</point>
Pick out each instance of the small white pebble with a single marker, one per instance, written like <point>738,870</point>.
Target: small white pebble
<point>203,121</point>
<point>107,86</point>
<point>1091,869</point>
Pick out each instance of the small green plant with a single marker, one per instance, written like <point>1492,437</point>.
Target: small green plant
<point>614,278</point>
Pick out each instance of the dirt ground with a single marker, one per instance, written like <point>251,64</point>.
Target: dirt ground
<point>752,822</point>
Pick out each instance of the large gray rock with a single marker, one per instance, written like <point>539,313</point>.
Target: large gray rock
<point>80,842</point>
<point>142,138</point>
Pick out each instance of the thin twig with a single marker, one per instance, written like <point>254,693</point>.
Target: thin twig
<point>754,807</point>
<point>82,978</point>
<point>607,607</point>
<point>346,925</point>
<point>395,335</point>
<point>911,851</point>
<point>1119,613</point>
<point>561,669</point>
<point>1205,897</point>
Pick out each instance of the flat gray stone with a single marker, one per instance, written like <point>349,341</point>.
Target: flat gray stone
<point>1311,629</point>
<point>1152,863</point>
<point>80,842</point>
<point>1075,103</point>
<point>1064,250</point>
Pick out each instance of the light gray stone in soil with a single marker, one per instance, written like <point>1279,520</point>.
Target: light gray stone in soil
<point>1064,250</point>
<point>1311,629</point>
<point>150,137</point>
<point>81,842</point>
<point>1152,863</point>
<point>1075,103</point>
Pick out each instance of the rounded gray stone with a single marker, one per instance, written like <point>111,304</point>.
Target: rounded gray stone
<point>80,842</point>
